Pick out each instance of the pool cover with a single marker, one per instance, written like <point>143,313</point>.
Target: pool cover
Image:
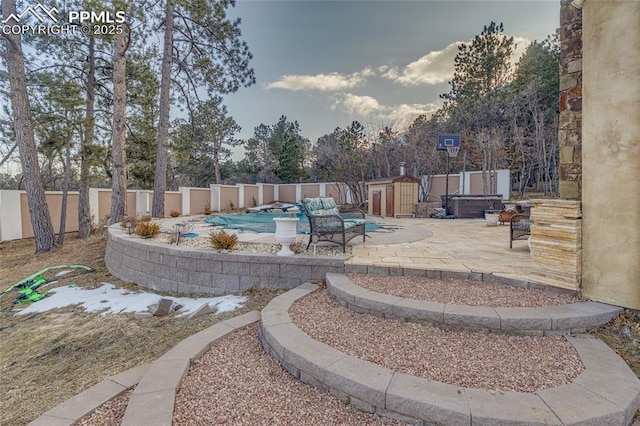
<point>263,222</point>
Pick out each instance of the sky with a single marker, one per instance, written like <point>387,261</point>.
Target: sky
<point>383,63</point>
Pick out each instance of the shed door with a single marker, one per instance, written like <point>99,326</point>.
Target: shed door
<point>390,210</point>
<point>376,202</point>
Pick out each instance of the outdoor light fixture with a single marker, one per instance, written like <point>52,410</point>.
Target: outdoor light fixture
<point>179,230</point>
<point>127,225</point>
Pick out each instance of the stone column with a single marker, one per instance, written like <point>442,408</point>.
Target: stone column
<point>570,124</point>
<point>556,243</point>
<point>611,152</point>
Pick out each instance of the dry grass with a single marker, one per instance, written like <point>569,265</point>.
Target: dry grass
<point>48,358</point>
<point>623,336</point>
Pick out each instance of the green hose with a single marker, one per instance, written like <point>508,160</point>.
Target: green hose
<point>38,274</point>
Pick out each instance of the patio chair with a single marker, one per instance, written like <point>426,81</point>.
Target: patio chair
<point>327,223</point>
<point>520,228</point>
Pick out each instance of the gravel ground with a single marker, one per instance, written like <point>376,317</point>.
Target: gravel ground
<point>461,292</point>
<point>108,414</point>
<point>298,247</point>
<point>236,383</point>
<point>470,359</point>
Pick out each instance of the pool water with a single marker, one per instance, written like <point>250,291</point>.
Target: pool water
<point>263,222</point>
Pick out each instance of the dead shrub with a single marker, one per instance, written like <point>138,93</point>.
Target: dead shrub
<point>145,218</point>
<point>220,240</point>
<point>147,230</point>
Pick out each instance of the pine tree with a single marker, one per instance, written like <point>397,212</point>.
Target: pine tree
<point>23,128</point>
<point>204,50</point>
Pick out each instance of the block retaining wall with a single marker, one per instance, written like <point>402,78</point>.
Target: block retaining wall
<point>177,269</point>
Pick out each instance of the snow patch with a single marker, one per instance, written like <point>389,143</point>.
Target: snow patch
<point>108,299</point>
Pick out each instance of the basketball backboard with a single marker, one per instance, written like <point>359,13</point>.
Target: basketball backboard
<point>447,139</point>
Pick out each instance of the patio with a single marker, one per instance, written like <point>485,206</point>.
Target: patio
<point>462,245</point>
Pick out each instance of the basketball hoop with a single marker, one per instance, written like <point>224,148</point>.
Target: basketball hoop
<point>453,151</point>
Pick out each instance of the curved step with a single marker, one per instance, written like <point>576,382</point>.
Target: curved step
<point>596,396</point>
<point>548,320</point>
<point>157,383</point>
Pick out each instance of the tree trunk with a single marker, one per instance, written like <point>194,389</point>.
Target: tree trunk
<point>118,153</point>
<point>65,192</point>
<point>23,128</point>
<point>216,160</point>
<point>160,182</point>
<point>84,209</point>
<point>484,140</point>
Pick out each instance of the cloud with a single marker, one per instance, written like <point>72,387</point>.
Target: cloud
<point>438,66</point>
<point>358,105</point>
<point>404,114</point>
<point>521,46</point>
<point>401,116</point>
<point>433,68</point>
<point>322,82</point>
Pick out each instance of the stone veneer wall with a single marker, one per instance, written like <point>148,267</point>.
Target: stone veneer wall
<point>556,243</point>
<point>556,236</point>
<point>174,269</point>
<point>570,125</point>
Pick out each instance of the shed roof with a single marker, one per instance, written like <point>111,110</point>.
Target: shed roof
<point>409,179</point>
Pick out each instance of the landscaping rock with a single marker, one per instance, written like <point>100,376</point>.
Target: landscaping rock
<point>202,310</point>
<point>162,308</point>
<point>142,315</point>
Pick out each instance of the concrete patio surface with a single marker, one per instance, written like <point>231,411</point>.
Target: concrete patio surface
<point>463,245</point>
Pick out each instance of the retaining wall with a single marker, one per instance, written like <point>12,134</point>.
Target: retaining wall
<point>179,269</point>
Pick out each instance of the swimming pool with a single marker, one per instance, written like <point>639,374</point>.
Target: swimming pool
<point>263,222</point>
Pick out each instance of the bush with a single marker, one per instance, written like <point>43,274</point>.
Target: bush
<point>174,213</point>
<point>145,218</point>
<point>147,229</point>
<point>207,209</point>
<point>222,241</point>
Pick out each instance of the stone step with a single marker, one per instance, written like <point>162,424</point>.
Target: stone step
<point>595,397</point>
<point>549,320</point>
